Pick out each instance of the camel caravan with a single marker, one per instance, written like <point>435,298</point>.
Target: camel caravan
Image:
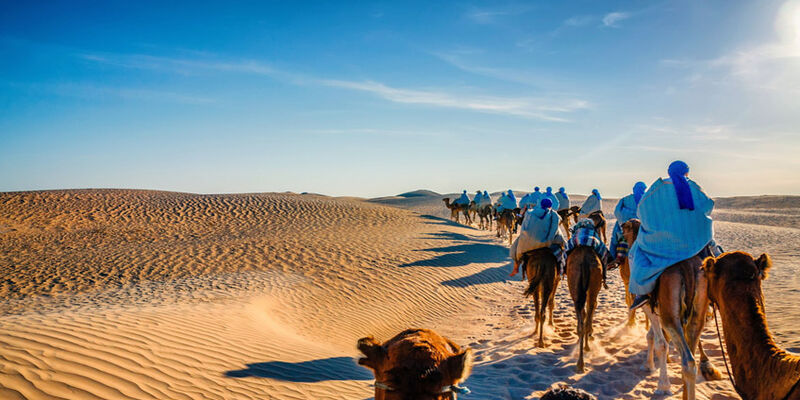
<point>672,269</point>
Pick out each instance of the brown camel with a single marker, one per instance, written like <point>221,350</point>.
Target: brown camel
<point>457,208</point>
<point>505,224</point>
<point>761,369</point>
<point>599,223</point>
<point>416,364</point>
<point>485,215</point>
<point>574,212</point>
<point>584,276</point>
<point>630,229</point>
<point>473,210</point>
<point>677,311</point>
<point>541,267</point>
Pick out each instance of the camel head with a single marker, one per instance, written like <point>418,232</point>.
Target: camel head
<point>416,364</point>
<point>736,273</point>
<point>446,201</point>
<point>630,230</point>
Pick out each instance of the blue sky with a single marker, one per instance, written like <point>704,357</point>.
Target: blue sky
<point>372,99</point>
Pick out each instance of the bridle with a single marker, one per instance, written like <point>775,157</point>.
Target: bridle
<point>453,389</point>
<point>722,348</point>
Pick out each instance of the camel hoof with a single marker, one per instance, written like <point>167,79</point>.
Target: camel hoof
<point>710,373</point>
<point>579,370</point>
<point>647,368</point>
<point>663,392</point>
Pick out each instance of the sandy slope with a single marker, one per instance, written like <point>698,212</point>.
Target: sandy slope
<point>142,294</point>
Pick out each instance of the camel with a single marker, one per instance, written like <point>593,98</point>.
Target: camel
<point>485,215</point>
<point>457,208</point>
<point>677,311</point>
<point>599,223</point>
<point>542,270</point>
<point>575,211</point>
<point>416,364</point>
<point>761,370</point>
<point>505,224</point>
<point>564,214</point>
<point>584,277</point>
<point>473,210</point>
<point>630,229</point>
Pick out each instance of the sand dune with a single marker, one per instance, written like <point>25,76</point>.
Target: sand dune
<point>156,295</point>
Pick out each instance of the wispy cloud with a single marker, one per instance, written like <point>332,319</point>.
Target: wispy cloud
<point>93,91</point>
<point>483,16</point>
<point>580,20</point>
<point>612,19</point>
<point>520,107</point>
<point>533,108</point>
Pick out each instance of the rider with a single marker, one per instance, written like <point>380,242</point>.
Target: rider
<point>486,198</point>
<point>626,210</point>
<point>478,198</point>
<point>592,204</point>
<point>507,202</point>
<point>585,234</point>
<point>540,228</point>
<point>464,199</point>
<point>676,225</point>
<point>548,194</point>
<point>563,203</point>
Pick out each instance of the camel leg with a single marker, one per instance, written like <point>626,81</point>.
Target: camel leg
<point>695,325</point>
<point>580,317</point>
<point>657,347</point>
<point>595,276</point>
<point>670,293</point>
<point>536,316</point>
<point>552,301</point>
<point>541,312</point>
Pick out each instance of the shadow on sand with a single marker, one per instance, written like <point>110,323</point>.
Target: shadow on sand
<point>324,369</point>
<point>463,254</point>
<point>432,219</point>
<point>488,275</point>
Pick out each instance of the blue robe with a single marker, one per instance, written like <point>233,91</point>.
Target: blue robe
<point>539,228</point>
<point>563,201</point>
<point>591,205</point>
<point>668,235</point>
<point>625,210</point>
<point>464,199</point>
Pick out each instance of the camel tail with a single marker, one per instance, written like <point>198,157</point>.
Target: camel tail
<point>534,279</point>
<point>585,278</point>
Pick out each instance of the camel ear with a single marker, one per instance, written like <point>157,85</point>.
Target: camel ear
<point>764,263</point>
<point>708,266</point>
<point>459,366</point>
<point>374,352</point>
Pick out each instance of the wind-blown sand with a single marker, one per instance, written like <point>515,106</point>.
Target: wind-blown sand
<point>119,294</point>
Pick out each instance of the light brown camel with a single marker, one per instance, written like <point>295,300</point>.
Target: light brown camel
<point>473,210</point>
<point>541,267</point>
<point>630,229</point>
<point>457,208</point>
<point>505,224</point>
<point>574,212</point>
<point>565,214</point>
<point>599,223</point>
<point>677,311</point>
<point>761,370</point>
<point>584,277</point>
<point>416,364</point>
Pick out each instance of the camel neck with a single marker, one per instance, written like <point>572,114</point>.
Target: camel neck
<point>761,369</point>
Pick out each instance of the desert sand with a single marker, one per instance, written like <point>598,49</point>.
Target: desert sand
<point>129,294</point>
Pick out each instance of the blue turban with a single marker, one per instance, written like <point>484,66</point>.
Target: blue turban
<point>511,194</point>
<point>549,189</point>
<point>638,191</point>
<point>546,203</point>
<point>485,193</point>
<point>536,189</point>
<point>597,193</point>
<point>677,171</point>
<point>561,189</point>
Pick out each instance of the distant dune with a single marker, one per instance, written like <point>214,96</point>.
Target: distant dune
<point>133,294</point>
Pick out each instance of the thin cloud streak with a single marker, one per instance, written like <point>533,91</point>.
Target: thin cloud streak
<point>612,19</point>
<point>532,108</point>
